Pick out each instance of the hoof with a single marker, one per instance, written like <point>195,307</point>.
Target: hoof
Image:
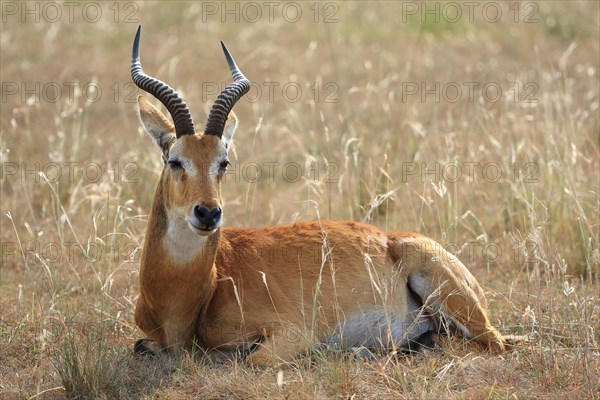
<point>146,348</point>
<point>427,341</point>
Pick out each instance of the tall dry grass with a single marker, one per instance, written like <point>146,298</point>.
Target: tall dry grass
<point>71,244</point>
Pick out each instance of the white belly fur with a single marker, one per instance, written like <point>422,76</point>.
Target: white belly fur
<point>381,328</point>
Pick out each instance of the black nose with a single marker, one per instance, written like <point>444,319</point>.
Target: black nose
<point>207,219</point>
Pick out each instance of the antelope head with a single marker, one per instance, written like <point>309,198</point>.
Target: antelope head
<point>194,162</point>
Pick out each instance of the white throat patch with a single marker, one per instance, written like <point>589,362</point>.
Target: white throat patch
<point>182,244</point>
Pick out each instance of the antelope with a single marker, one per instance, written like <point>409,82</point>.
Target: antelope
<point>231,291</point>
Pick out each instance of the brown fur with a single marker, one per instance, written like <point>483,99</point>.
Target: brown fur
<point>286,287</point>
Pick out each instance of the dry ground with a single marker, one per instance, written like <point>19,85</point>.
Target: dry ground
<point>523,214</point>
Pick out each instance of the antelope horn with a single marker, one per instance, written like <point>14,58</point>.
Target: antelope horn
<point>227,99</point>
<point>164,93</point>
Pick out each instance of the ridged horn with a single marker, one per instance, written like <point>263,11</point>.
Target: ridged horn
<point>227,99</point>
<point>164,93</point>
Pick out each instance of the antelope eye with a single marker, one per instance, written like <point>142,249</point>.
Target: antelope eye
<point>175,164</point>
<point>224,164</point>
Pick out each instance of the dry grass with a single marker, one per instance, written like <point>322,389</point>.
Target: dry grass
<point>69,275</point>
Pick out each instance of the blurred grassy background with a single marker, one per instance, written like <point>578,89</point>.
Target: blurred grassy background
<point>353,62</point>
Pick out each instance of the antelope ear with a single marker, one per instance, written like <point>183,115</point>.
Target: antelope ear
<point>160,129</point>
<point>230,127</point>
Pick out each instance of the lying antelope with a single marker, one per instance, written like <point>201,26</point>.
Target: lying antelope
<point>230,291</point>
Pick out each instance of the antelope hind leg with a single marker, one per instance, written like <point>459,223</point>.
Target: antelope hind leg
<point>447,288</point>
